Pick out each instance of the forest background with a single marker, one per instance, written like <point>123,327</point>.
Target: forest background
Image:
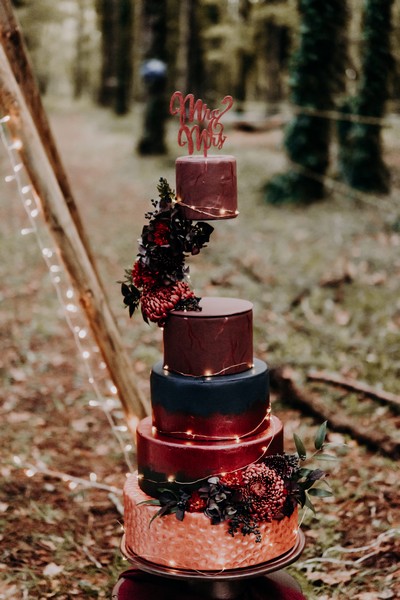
<point>323,276</point>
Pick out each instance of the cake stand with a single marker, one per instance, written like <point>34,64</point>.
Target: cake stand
<point>269,579</point>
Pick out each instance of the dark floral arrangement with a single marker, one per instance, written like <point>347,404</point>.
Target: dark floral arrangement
<point>261,492</point>
<point>157,280</point>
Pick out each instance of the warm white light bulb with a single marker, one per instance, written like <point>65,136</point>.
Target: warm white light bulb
<point>16,145</point>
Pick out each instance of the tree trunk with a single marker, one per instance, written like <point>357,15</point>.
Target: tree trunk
<point>361,157</point>
<point>156,107</point>
<point>68,241</point>
<point>182,58</point>
<point>124,58</point>
<point>107,11</point>
<point>273,71</point>
<point>78,68</point>
<point>189,64</point>
<point>316,76</point>
<point>244,58</point>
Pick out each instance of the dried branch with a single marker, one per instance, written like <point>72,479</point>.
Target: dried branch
<point>352,384</point>
<point>282,379</point>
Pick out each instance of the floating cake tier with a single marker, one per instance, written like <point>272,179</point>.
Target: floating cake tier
<point>166,462</point>
<point>218,340</point>
<point>220,407</point>
<point>206,187</point>
<point>195,543</point>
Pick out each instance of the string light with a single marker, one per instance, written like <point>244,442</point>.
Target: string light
<point>72,481</point>
<point>70,309</point>
<point>199,436</point>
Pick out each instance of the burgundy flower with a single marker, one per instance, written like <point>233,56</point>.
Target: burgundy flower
<point>159,301</point>
<point>142,277</point>
<point>196,503</point>
<point>161,233</point>
<point>232,480</point>
<point>264,490</point>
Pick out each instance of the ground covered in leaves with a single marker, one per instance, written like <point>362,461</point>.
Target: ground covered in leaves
<point>325,285</point>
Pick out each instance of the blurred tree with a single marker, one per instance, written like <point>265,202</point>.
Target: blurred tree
<point>245,53</point>
<point>316,75</point>
<point>81,64</point>
<point>116,27</point>
<point>189,59</point>
<point>272,23</point>
<point>37,16</point>
<point>154,73</point>
<point>360,156</point>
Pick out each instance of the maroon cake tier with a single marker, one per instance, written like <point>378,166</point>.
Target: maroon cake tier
<point>165,461</point>
<point>218,340</point>
<point>207,187</point>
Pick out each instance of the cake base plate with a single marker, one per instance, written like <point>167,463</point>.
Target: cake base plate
<point>138,585</point>
<point>227,575</point>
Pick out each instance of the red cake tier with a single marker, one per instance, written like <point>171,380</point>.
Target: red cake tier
<point>206,187</point>
<point>165,462</point>
<point>222,407</point>
<point>218,340</point>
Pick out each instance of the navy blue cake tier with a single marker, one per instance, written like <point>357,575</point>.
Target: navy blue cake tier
<point>224,407</point>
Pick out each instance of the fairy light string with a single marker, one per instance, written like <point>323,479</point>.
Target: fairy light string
<point>87,349</point>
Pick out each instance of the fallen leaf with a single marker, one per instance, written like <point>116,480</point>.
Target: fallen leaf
<point>52,570</point>
<point>332,578</point>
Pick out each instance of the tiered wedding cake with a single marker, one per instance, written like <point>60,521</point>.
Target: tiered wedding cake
<point>214,489</point>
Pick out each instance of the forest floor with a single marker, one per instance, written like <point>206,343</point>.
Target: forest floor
<point>325,283</point>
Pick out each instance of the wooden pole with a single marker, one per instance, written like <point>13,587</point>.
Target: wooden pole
<point>68,241</point>
<point>13,43</point>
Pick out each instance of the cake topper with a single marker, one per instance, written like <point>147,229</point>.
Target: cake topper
<point>208,131</point>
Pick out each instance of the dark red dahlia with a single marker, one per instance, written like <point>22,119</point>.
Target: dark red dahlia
<point>161,233</point>
<point>283,464</point>
<point>159,301</point>
<point>264,491</point>
<point>196,503</point>
<point>232,480</point>
<point>142,277</point>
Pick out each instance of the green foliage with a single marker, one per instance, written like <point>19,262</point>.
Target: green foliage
<point>360,158</point>
<point>316,75</point>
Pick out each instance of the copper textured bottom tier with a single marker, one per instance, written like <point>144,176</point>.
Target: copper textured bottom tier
<point>194,543</point>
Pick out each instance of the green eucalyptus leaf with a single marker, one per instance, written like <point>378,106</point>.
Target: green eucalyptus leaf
<point>320,493</point>
<point>159,513</point>
<point>320,436</point>
<point>310,505</point>
<point>326,457</point>
<point>303,472</point>
<point>301,451</point>
<point>152,502</point>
